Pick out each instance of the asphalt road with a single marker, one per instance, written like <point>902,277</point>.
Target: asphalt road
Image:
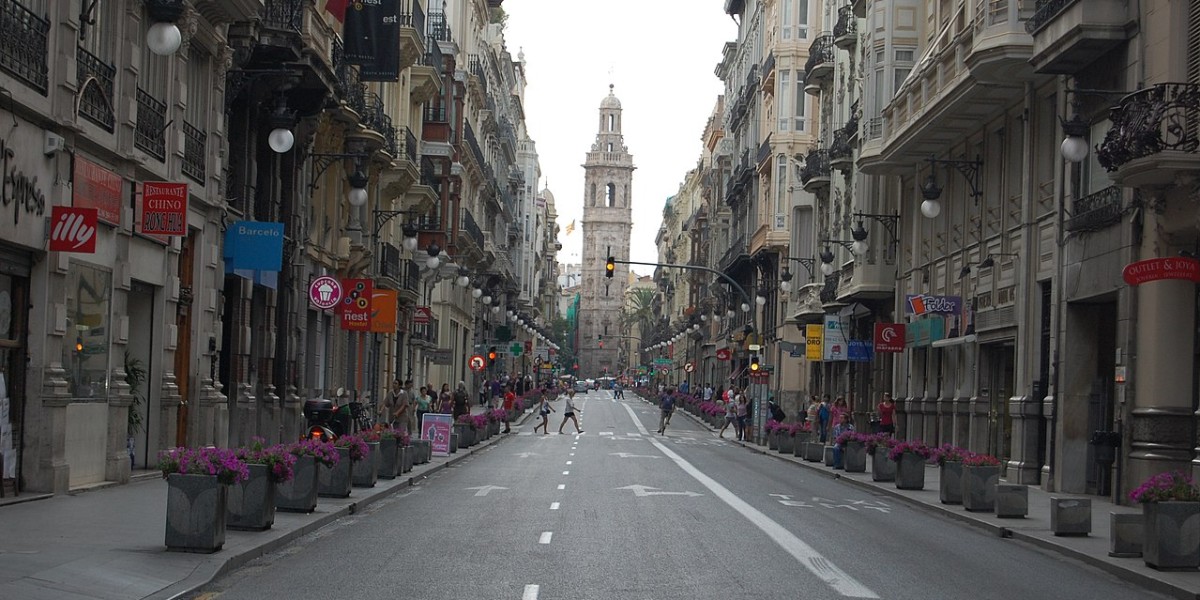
<point>621,512</point>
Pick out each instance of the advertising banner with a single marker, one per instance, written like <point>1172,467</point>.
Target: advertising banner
<point>923,304</point>
<point>73,229</point>
<point>436,428</point>
<point>356,304</point>
<point>254,245</point>
<point>164,208</point>
<point>93,186</point>
<point>383,311</point>
<point>860,351</point>
<point>889,337</point>
<point>372,38</point>
<point>835,339</point>
<point>1157,269</point>
<point>814,342</point>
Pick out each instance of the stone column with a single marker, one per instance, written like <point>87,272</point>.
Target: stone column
<point>1023,464</point>
<point>169,402</point>
<point>53,474</point>
<point>117,463</point>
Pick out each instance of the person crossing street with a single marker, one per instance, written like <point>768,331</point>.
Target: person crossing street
<point>666,406</point>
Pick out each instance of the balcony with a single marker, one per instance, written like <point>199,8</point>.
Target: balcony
<point>845,32</point>
<point>841,152</point>
<point>377,123</point>
<point>735,253</point>
<point>195,152</point>
<point>23,45</point>
<point>150,131</point>
<point>819,67</point>
<point>469,231</point>
<point>350,91</point>
<point>426,75</point>
<point>390,267</point>
<point>807,303</point>
<point>814,175</point>
<point>1069,34</point>
<point>1155,136</point>
<point>403,172</point>
<point>1096,211</point>
<point>768,74</point>
<point>95,80</point>
<point>1002,48</point>
<point>763,160</point>
<point>828,293</point>
<point>412,35</point>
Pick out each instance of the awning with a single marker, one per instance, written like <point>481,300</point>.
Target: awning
<point>965,339</point>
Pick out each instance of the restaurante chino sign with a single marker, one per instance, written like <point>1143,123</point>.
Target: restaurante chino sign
<point>1155,269</point>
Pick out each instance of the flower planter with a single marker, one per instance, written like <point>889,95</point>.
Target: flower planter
<point>979,487</point>
<point>195,513</point>
<point>814,451</point>
<point>773,440</point>
<point>250,505</point>
<point>366,471</point>
<point>882,467</point>
<point>494,427</point>
<point>799,441</point>
<point>424,451</point>
<point>454,441</point>
<point>854,457</point>
<point>389,464</point>
<point>1012,501</point>
<point>299,494</point>
<point>335,481</point>
<point>950,488</point>
<point>827,454</point>
<point>1172,535</point>
<point>406,458</point>
<point>910,472</point>
<point>1126,535</point>
<point>786,443</point>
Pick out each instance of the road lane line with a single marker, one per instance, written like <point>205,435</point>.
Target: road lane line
<point>545,539</point>
<point>531,592</point>
<point>562,486</point>
<point>806,555</point>
<point>570,461</point>
<point>553,506</point>
<point>566,472</point>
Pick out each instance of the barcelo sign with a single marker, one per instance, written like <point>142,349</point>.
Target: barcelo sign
<point>325,292</point>
<point>1155,269</point>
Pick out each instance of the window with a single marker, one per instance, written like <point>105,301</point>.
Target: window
<point>794,17</point>
<point>612,122</point>
<point>780,189</point>
<point>610,193</point>
<point>85,347</point>
<point>800,117</point>
<point>610,147</point>
<point>785,89</point>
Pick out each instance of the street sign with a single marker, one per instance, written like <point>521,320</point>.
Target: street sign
<point>475,362</point>
<point>515,349</point>
<point>662,361</point>
<point>422,315</point>
<point>689,367</point>
<point>723,354</point>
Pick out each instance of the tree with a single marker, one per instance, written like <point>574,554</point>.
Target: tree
<point>639,311</point>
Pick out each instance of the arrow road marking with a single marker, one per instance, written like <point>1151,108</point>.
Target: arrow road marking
<point>806,555</point>
<point>484,489</point>
<point>628,455</point>
<point>642,491</point>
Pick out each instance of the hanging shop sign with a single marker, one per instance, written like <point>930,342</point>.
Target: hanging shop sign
<point>20,192</point>
<point>924,304</point>
<point>356,304</point>
<point>371,34</point>
<point>422,315</point>
<point>723,354</point>
<point>325,292</point>
<point>835,339</point>
<point>73,229</point>
<point>383,311</point>
<point>93,186</point>
<point>889,337</point>
<point>164,208</point>
<point>924,332</point>
<point>859,351</point>
<point>814,342</point>
<point>1157,269</point>
<point>254,246</point>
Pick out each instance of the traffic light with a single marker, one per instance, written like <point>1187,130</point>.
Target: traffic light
<point>754,366</point>
<point>610,267</point>
<point>492,354</point>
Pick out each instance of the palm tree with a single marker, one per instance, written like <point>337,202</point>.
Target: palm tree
<point>639,311</point>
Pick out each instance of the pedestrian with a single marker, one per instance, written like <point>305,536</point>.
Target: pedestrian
<point>730,418</point>
<point>814,407</point>
<point>569,411</point>
<point>743,414</point>
<point>843,426</point>
<point>445,399</point>
<point>403,411</point>
<point>776,411</point>
<point>459,401</point>
<point>666,406</point>
<point>823,418</point>
<point>510,401</point>
<point>391,402</point>
<point>422,406</point>
<point>887,415</point>
<point>544,411</point>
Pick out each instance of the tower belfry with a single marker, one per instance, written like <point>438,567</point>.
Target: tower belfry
<point>607,226</point>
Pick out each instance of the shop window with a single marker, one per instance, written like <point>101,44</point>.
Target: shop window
<point>89,328</point>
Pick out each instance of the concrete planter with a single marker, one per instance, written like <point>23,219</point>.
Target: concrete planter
<point>1172,535</point>
<point>424,451</point>
<point>494,427</point>
<point>299,494</point>
<point>335,481</point>
<point>950,482</point>
<point>827,455</point>
<point>1012,501</point>
<point>250,505</point>
<point>799,441</point>
<point>910,472</point>
<point>854,457</point>
<point>366,471</point>
<point>814,451</point>
<point>406,458</point>
<point>195,513</point>
<point>882,467</point>
<point>786,443</point>
<point>979,487</point>
<point>1126,533</point>
<point>773,440</point>
<point>454,443</point>
<point>389,464</point>
<point>1071,516</point>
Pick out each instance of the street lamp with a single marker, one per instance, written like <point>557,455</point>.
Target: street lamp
<point>281,121</point>
<point>358,189</point>
<point>163,37</point>
<point>464,277</point>
<point>931,191</point>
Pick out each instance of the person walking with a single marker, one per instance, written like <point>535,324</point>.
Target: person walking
<point>887,415</point>
<point>743,414</point>
<point>666,406</point>
<point>823,418</point>
<point>510,400</point>
<point>445,400</point>
<point>391,403</point>
<point>459,401</point>
<point>423,405</point>
<point>730,418</point>
<point>569,411</point>
<point>544,412</point>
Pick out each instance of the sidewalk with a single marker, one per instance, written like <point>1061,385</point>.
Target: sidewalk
<point>107,543</point>
<point>1034,528</point>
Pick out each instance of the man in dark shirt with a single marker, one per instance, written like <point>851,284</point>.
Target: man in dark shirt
<point>666,406</point>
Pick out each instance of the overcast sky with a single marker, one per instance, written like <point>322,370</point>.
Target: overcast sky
<point>659,54</point>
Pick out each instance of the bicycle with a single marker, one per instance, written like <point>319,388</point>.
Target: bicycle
<point>363,416</point>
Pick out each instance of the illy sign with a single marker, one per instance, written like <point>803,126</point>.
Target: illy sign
<point>73,229</point>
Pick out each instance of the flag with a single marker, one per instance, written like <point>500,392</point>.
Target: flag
<point>570,227</point>
<point>337,8</point>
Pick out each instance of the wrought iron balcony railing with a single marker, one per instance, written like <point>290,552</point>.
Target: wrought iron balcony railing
<point>1157,119</point>
<point>150,131</point>
<point>410,145</point>
<point>414,19</point>
<point>1044,11</point>
<point>195,147</point>
<point>95,80</point>
<point>433,56</point>
<point>470,228</point>
<point>284,14</point>
<point>840,149</point>
<point>426,223</point>
<point>764,150</point>
<point>390,262</point>
<point>435,114</point>
<point>1096,211</point>
<point>348,86</point>
<point>23,45</point>
<point>439,27</point>
<point>829,290</point>
<point>820,53</point>
<point>847,23</point>
<point>473,144</point>
<point>816,164</point>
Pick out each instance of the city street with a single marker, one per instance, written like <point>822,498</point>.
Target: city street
<point>621,512</point>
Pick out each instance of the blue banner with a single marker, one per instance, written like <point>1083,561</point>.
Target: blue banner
<point>860,351</point>
<point>254,245</point>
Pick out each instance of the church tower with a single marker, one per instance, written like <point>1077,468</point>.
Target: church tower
<point>607,225</point>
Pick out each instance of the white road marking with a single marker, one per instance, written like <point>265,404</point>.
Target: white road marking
<point>806,555</point>
<point>553,506</point>
<point>644,490</point>
<point>628,455</point>
<point>571,454</point>
<point>531,592</point>
<point>545,539</point>
<point>562,486</point>
<point>526,454</point>
<point>570,461</point>
<point>606,433</point>
<point>566,472</point>
<point>484,489</point>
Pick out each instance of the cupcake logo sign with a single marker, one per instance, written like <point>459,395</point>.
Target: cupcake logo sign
<point>325,292</point>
